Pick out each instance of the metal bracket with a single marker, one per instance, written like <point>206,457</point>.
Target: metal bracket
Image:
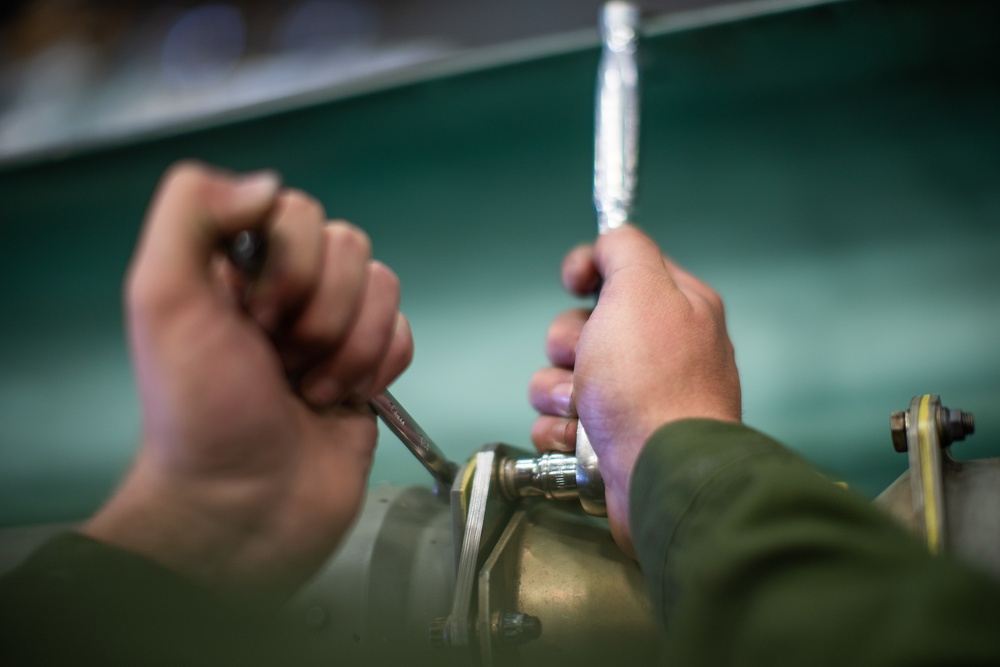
<point>480,512</point>
<point>926,431</point>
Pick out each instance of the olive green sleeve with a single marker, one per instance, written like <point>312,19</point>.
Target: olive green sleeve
<point>754,558</point>
<point>79,601</point>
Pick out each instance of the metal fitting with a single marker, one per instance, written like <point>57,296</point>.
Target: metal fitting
<point>513,627</point>
<point>952,425</point>
<point>551,475</point>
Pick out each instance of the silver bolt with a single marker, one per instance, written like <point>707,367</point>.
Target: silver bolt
<point>953,425</point>
<point>513,627</point>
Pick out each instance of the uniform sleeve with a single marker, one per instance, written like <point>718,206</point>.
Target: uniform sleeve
<point>754,558</point>
<point>79,601</point>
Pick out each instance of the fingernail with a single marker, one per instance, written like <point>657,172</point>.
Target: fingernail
<point>322,391</point>
<point>562,397</point>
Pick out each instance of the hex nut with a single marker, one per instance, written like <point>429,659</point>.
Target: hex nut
<point>954,425</point>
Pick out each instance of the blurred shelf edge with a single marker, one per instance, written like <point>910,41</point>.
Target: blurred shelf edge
<point>388,68</point>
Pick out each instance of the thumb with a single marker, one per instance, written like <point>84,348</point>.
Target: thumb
<point>195,210</point>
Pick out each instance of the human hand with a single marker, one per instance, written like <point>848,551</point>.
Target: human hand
<point>243,481</point>
<point>654,350</point>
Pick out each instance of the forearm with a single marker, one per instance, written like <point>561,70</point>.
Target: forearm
<point>754,558</point>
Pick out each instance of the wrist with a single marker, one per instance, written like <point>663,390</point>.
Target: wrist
<point>160,522</point>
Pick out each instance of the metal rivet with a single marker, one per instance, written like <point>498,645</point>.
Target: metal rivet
<point>316,617</point>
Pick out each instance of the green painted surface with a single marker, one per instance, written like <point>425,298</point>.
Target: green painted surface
<point>833,172</point>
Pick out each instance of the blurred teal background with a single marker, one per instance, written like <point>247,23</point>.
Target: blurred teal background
<point>831,171</point>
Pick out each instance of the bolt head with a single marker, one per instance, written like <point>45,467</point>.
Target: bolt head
<point>516,628</point>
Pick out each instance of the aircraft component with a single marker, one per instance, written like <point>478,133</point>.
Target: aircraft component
<point>951,504</point>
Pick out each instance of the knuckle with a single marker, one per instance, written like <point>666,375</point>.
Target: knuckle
<point>185,174</point>
<point>349,238</point>
<point>714,299</point>
<point>183,169</point>
<point>191,181</point>
<point>301,205</point>
<point>384,279</point>
<point>296,268</point>
<point>715,307</point>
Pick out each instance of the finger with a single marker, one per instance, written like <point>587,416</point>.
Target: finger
<point>397,359</point>
<point>627,247</point>
<point>351,367</point>
<point>550,391</point>
<point>563,336</point>
<point>554,434</point>
<point>325,319</point>
<point>294,258</point>
<point>193,212</point>
<point>579,274</point>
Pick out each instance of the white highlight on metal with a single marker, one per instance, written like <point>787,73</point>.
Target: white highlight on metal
<point>616,127</point>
